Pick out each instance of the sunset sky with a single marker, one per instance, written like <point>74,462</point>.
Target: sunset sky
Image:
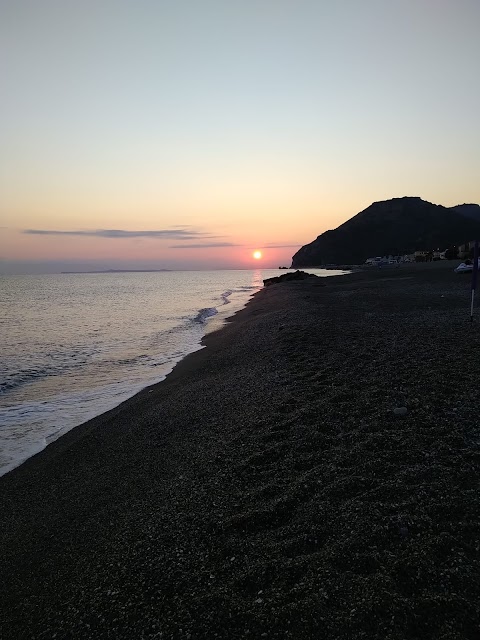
<point>187,134</point>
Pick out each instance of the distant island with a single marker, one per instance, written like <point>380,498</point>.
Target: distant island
<point>120,271</point>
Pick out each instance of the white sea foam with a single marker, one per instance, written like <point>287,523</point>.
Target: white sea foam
<point>225,297</point>
<point>204,314</point>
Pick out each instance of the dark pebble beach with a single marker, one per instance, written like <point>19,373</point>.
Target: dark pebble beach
<point>312,473</point>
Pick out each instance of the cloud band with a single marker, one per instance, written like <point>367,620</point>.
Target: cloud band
<point>171,234</point>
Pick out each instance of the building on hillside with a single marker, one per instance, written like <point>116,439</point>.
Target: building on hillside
<point>423,256</point>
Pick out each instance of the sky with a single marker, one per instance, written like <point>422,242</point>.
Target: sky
<point>185,134</point>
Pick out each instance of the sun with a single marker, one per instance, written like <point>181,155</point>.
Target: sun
<point>257,255</point>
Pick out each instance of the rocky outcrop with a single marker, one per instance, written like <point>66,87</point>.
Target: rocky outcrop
<point>289,277</point>
<point>391,227</point>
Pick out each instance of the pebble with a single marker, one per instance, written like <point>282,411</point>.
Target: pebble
<point>400,411</point>
<point>161,520</point>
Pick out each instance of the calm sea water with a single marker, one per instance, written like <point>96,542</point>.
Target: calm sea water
<point>76,345</point>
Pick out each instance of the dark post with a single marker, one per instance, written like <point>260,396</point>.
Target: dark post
<point>474,277</point>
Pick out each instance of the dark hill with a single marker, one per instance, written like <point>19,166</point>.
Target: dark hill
<point>469,210</point>
<point>391,227</point>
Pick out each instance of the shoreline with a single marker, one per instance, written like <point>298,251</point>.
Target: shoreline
<point>213,323</point>
<point>81,430</point>
<point>98,418</point>
<point>218,315</point>
<point>265,486</point>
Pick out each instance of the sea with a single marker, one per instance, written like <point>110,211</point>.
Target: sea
<point>75,345</point>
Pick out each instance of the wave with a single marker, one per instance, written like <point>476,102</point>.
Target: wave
<point>140,359</point>
<point>18,374</point>
<point>224,296</point>
<point>68,361</point>
<point>203,315</point>
<point>24,377</point>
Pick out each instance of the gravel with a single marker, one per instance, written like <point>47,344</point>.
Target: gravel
<point>267,488</point>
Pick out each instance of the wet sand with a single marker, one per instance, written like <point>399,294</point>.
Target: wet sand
<point>266,489</point>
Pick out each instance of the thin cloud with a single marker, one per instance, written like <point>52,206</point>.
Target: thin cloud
<point>281,246</point>
<point>203,246</point>
<point>181,233</point>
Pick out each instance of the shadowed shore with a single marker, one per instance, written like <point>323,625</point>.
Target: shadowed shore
<point>266,488</point>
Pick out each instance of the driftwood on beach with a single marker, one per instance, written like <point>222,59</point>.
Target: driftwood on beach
<point>269,487</point>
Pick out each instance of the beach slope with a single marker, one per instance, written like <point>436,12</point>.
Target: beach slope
<point>267,488</point>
